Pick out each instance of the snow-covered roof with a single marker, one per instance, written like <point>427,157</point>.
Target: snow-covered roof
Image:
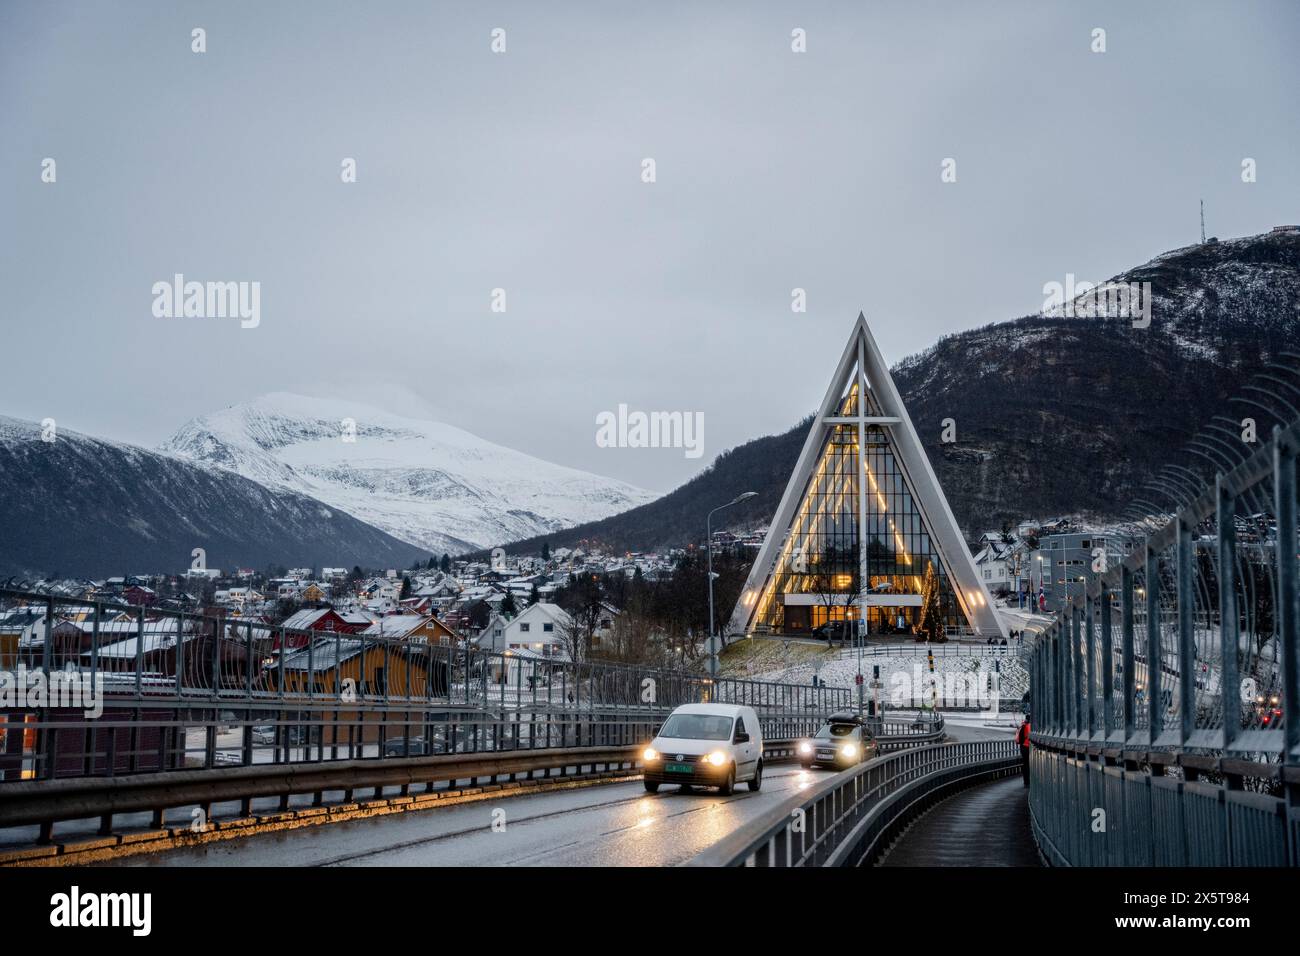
<point>107,629</point>
<point>397,625</point>
<point>525,653</point>
<point>19,621</point>
<point>322,652</point>
<point>304,619</point>
<point>553,612</point>
<point>127,649</point>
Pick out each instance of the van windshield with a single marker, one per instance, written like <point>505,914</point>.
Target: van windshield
<point>697,727</point>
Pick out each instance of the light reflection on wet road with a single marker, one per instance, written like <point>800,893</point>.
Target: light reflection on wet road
<point>616,824</point>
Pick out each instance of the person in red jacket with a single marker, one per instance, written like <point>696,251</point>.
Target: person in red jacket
<point>1022,738</point>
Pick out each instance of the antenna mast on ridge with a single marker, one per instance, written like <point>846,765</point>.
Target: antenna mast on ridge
<point>1202,222</point>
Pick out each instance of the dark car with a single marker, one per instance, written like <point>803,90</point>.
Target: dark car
<point>398,747</point>
<point>281,736</point>
<point>842,741</point>
<point>926,722</point>
<point>834,631</point>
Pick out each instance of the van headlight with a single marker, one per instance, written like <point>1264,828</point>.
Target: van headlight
<point>649,754</point>
<point>717,758</point>
<point>805,747</point>
<point>850,750</point>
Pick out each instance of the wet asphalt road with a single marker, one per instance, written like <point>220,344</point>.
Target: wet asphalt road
<point>616,824</point>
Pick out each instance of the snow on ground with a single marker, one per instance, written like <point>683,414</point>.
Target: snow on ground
<point>904,670</point>
<point>1017,619</point>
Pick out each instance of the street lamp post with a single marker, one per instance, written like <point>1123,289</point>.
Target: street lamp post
<point>708,531</point>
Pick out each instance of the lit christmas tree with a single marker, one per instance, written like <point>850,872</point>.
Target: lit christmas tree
<point>929,625</point>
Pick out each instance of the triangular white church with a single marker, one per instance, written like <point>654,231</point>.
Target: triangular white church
<point>863,529</point>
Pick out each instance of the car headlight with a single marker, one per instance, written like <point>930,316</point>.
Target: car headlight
<point>805,747</point>
<point>850,750</point>
<point>649,754</point>
<point>717,758</point>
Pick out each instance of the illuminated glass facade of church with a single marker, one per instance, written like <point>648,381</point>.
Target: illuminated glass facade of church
<point>818,576</point>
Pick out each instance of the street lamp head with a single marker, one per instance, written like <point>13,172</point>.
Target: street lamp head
<point>741,497</point>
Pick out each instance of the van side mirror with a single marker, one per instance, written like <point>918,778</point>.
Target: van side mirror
<point>741,737</point>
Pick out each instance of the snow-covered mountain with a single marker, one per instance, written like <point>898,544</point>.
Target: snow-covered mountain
<point>424,482</point>
<point>79,505</point>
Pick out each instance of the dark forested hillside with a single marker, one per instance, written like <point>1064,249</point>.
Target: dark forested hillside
<point>1073,414</point>
<point>1053,415</point>
<point>762,465</point>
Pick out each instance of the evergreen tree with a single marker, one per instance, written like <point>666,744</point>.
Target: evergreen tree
<point>546,550</point>
<point>533,596</point>
<point>508,609</point>
<point>406,588</point>
<point>445,564</point>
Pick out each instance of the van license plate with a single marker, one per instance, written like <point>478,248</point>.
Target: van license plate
<point>678,768</point>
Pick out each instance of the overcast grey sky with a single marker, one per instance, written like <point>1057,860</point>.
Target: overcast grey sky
<point>522,171</point>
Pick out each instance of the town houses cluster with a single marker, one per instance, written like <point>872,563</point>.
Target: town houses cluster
<point>508,604</point>
<point>503,603</point>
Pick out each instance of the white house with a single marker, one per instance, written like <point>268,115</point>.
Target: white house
<point>382,589</point>
<point>998,561</point>
<point>239,597</point>
<point>538,629</point>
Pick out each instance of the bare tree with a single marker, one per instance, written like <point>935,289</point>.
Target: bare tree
<point>582,600</point>
<point>830,591</point>
<point>634,639</point>
<point>574,638</point>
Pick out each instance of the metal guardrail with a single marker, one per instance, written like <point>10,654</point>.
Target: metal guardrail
<point>1135,812</point>
<point>914,649</point>
<point>45,803</point>
<point>894,735</point>
<point>1165,696</point>
<point>847,819</point>
<point>959,704</point>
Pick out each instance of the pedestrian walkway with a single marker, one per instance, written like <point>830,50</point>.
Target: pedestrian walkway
<point>987,825</point>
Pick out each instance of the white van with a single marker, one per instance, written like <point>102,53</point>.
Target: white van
<point>710,745</point>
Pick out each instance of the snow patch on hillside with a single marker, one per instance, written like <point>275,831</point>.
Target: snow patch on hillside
<point>425,482</point>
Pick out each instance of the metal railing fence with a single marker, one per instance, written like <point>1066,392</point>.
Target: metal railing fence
<point>1164,694</point>
<point>177,690</point>
<point>846,819</point>
<point>913,649</point>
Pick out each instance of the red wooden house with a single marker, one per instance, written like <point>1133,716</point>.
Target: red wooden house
<point>324,619</point>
